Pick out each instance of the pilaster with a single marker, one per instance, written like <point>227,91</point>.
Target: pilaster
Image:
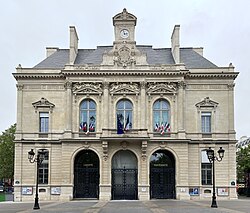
<point>18,135</point>
<point>181,111</point>
<point>68,112</point>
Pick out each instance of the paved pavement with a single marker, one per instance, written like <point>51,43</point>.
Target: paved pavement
<point>152,206</point>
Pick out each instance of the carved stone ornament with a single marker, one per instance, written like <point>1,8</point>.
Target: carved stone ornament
<point>43,103</point>
<point>86,145</point>
<point>124,144</point>
<point>124,88</point>
<point>162,145</point>
<point>124,57</point>
<point>161,88</point>
<point>105,150</point>
<point>124,15</point>
<point>207,102</point>
<point>87,88</point>
<point>68,85</point>
<point>144,146</point>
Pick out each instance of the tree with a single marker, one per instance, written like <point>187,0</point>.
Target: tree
<point>243,162</point>
<point>7,153</point>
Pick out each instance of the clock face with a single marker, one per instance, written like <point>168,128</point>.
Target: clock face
<point>124,33</point>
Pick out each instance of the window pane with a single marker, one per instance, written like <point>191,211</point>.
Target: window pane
<point>161,116</point>
<point>206,122</point>
<point>88,116</point>
<point>206,174</point>
<point>120,105</point>
<point>128,105</point>
<point>164,104</point>
<point>84,105</point>
<point>91,105</point>
<point>157,105</point>
<point>44,122</point>
<point>164,117</point>
<point>124,110</point>
<point>43,169</point>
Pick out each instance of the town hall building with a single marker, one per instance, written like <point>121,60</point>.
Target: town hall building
<point>124,121</point>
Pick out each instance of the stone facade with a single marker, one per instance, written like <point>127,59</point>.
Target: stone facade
<point>141,75</point>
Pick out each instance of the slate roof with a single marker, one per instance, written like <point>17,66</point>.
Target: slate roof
<point>155,56</point>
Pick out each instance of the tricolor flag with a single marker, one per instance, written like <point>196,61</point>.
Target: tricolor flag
<point>83,126</point>
<point>162,129</point>
<point>157,127</point>
<point>167,127</point>
<point>119,125</point>
<point>92,127</point>
<point>127,125</point>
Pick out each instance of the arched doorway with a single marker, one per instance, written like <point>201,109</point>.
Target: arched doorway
<point>162,175</point>
<point>124,176</point>
<point>86,175</point>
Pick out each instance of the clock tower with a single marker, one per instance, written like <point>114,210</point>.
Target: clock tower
<point>124,52</point>
<point>124,26</point>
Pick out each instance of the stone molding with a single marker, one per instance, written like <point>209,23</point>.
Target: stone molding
<point>124,16</point>
<point>43,103</point>
<point>207,102</point>
<point>87,88</point>
<point>124,88</point>
<point>161,88</point>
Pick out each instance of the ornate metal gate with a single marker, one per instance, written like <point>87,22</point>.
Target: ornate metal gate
<point>124,184</point>
<point>86,175</point>
<point>87,183</point>
<point>162,183</point>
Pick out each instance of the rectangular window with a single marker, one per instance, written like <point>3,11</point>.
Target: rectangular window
<point>44,122</point>
<point>206,174</point>
<point>206,122</point>
<point>44,170</point>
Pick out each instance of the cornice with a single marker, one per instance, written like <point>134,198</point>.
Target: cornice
<point>122,73</point>
<point>125,72</point>
<point>19,76</point>
<point>212,75</point>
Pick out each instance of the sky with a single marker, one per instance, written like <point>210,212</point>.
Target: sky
<point>222,27</point>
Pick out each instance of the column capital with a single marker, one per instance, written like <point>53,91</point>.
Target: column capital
<point>68,85</point>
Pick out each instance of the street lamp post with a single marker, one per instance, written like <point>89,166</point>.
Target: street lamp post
<point>212,158</point>
<point>38,159</point>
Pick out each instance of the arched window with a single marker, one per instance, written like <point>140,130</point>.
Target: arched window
<point>44,168</point>
<point>87,116</point>
<point>161,116</point>
<point>124,112</point>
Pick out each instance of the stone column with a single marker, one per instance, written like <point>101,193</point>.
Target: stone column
<point>19,123</point>
<point>143,188</point>
<point>105,185</point>
<point>143,106</point>
<point>181,112</point>
<point>232,170</point>
<point>68,112</point>
<point>105,109</point>
<point>231,130</point>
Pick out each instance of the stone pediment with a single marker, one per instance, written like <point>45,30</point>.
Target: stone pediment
<point>207,102</point>
<point>43,103</point>
<point>124,88</point>
<point>162,88</point>
<point>124,16</point>
<point>87,88</point>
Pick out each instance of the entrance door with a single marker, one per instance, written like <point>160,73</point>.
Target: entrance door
<point>124,176</point>
<point>86,175</point>
<point>162,175</point>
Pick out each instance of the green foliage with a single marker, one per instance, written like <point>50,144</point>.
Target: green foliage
<point>2,197</point>
<point>243,163</point>
<point>7,153</point>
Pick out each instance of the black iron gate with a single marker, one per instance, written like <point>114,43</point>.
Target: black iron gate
<point>162,183</point>
<point>124,184</point>
<point>86,183</point>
